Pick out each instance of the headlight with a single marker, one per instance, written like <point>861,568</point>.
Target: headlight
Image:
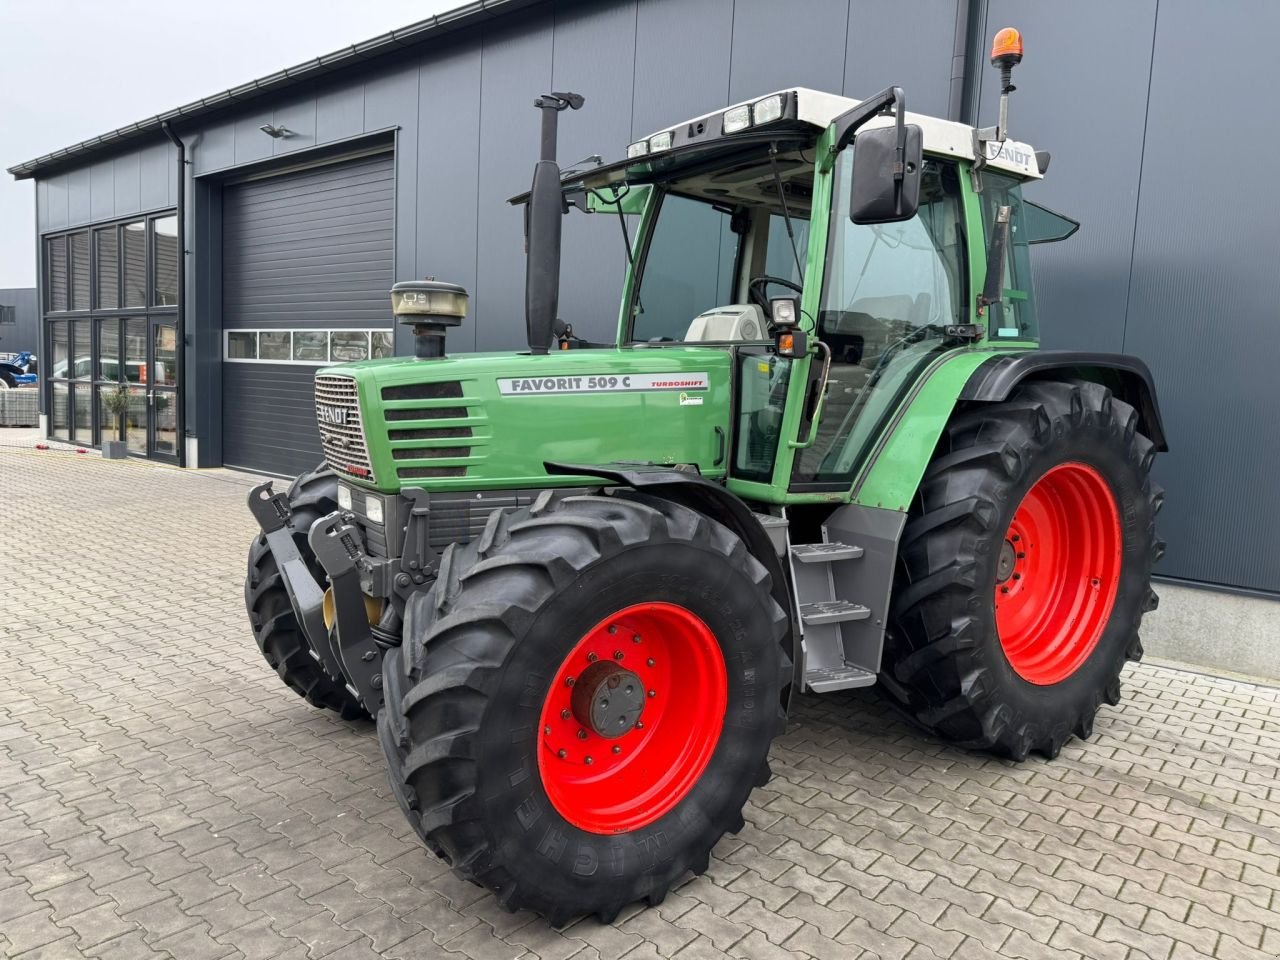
<point>737,118</point>
<point>660,141</point>
<point>768,109</point>
<point>638,149</point>
<point>344,497</point>
<point>373,509</point>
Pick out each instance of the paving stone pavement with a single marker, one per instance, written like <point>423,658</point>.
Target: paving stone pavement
<point>165,796</point>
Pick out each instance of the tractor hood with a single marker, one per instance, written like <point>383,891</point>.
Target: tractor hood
<point>490,420</point>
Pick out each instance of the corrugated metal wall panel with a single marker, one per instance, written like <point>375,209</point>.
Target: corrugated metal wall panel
<point>594,54</point>
<point>515,67</point>
<point>1203,294</point>
<point>1088,111</point>
<point>312,248</point>
<point>449,109</point>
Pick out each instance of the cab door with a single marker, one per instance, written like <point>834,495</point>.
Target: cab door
<point>889,292</point>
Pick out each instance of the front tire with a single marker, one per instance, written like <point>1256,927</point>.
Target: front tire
<point>276,629</point>
<point>515,748</point>
<point>1025,570</point>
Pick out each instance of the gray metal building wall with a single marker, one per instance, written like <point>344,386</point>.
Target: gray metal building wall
<point>1154,148</point>
<point>1172,262</point>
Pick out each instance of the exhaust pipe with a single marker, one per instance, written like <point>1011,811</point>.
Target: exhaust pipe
<point>542,228</point>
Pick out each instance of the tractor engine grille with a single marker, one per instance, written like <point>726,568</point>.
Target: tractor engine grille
<point>431,444</point>
<point>341,431</point>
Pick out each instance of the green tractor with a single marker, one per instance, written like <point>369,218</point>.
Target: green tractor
<point>578,585</point>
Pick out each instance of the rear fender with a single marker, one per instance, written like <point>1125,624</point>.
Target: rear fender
<point>1126,376</point>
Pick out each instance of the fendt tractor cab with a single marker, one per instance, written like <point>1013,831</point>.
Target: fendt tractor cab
<point>579,585</point>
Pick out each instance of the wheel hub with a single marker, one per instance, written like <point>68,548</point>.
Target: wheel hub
<point>608,699</point>
<point>605,767</point>
<point>1006,562</point>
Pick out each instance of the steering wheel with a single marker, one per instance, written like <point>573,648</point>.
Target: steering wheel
<point>756,289</point>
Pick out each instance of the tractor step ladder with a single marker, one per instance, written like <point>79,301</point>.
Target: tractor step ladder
<point>822,614</point>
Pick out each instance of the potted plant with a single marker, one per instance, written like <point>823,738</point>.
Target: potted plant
<point>116,403</point>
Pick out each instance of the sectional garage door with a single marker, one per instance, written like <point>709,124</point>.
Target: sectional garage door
<point>305,255</point>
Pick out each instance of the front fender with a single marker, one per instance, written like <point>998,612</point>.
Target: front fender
<point>692,490</point>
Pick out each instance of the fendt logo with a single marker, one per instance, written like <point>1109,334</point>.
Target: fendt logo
<point>334,415</point>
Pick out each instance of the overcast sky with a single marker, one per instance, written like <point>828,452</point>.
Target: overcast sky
<point>72,69</point>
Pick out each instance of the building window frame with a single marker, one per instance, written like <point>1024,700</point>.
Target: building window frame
<point>90,433</point>
<point>386,344</point>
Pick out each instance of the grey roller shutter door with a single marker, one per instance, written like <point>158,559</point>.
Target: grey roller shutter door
<point>310,249</point>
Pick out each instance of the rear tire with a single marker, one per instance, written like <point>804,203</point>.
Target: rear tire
<point>472,723</point>
<point>275,626</point>
<point>1064,464</point>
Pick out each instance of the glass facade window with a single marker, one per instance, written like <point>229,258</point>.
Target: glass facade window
<point>108,350</point>
<point>349,345</point>
<point>315,346</point>
<point>135,351</point>
<point>108,425</point>
<point>79,299</point>
<point>311,346</point>
<point>135,264</point>
<point>57,293</point>
<point>242,345</point>
<point>60,419</point>
<point>274,345</point>
<point>165,250</point>
<point>82,350</point>
<point>135,421</point>
<point>165,355</point>
<point>108,269</point>
<point>60,341</point>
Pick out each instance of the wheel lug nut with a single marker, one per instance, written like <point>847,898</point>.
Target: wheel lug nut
<point>588,761</point>
<point>617,654</point>
<point>1015,538</point>
<point>616,748</point>
<point>582,734</point>
<point>639,724</point>
<point>1017,576</point>
<point>1022,556</point>
<point>568,681</point>
<point>635,638</point>
<point>562,753</point>
<point>1004,589</point>
<point>547,731</point>
<point>592,657</point>
<point>566,713</point>
<point>650,662</point>
<point>653,693</point>
<point>613,628</point>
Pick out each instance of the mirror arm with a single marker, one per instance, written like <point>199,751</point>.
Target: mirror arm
<point>993,283</point>
<point>848,123</point>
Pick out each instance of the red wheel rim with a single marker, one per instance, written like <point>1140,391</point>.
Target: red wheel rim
<point>1058,573</point>
<point>614,784</point>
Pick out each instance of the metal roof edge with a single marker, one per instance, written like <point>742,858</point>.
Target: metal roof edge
<point>466,15</point>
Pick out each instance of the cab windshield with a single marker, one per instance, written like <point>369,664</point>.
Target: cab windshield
<point>718,249</point>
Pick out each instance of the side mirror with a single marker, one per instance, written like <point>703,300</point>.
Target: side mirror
<point>882,191</point>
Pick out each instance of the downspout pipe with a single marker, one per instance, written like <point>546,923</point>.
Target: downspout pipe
<point>181,324</point>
